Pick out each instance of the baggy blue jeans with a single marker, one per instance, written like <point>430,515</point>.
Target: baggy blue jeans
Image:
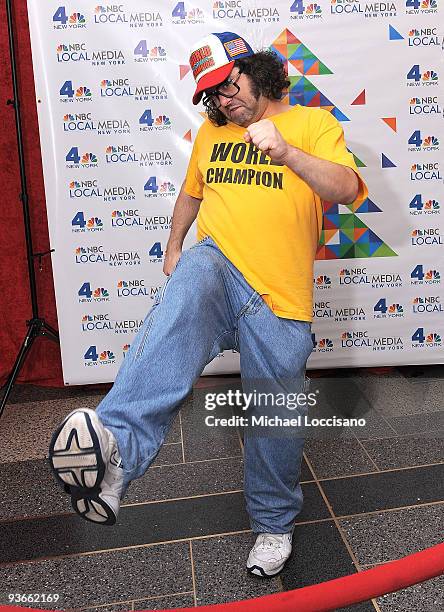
<point>206,306</point>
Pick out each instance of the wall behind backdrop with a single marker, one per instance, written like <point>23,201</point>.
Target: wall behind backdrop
<point>43,364</point>
<point>111,81</point>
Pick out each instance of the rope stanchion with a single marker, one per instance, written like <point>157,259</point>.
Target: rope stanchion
<point>340,592</point>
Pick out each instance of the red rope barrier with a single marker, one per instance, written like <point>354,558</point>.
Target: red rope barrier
<point>340,592</point>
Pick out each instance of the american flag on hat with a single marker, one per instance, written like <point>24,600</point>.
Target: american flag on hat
<point>236,47</point>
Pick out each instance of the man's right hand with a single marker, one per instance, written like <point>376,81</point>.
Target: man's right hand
<point>172,256</point>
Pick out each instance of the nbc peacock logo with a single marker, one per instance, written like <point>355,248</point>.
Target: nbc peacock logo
<point>421,7</point>
<point>62,21</point>
<point>301,10</point>
<point>322,282</point>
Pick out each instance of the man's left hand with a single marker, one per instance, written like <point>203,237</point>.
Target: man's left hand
<point>268,139</point>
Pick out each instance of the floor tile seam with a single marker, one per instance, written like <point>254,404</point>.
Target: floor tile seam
<point>145,545</point>
<point>193,573</point>
<point>122,548</point>
<point>386,510</point>
<point>181,436</point>
<point>129,505</point>
<point>380,472</point>
<point>419,435</point>
<point>133,601</point>
<point>199,461</point>
<point>54,400</point>
<point>378,469</point>
<point>45,458</point>
<point>339,529</point>
<point>18,519</point>
<point>335,520</point>
<point>382,416</point>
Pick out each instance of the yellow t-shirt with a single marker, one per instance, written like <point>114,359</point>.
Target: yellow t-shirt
<point>264,218</point>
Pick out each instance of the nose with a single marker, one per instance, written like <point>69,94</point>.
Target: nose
<point>225,102</point>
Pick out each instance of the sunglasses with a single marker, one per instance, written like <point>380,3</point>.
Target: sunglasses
<point>228,89</point>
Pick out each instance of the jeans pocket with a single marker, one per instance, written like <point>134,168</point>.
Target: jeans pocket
<point>202,241</point>
<point>149,318</point>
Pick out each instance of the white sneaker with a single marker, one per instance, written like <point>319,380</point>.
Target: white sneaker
<point>85,460</point>
<point>269,554</point>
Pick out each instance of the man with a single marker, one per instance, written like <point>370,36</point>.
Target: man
<point>257,174</point>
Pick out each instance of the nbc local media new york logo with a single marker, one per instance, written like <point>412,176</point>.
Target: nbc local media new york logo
<point>184,13</point>
<point>145,53</point>
<point>78,52</point>
<point>360,276</point>
<point>70,93</point>
<point>324,345</point>
<point>424,105</point>
<point>83,122</point>
<point>130,219</point>
<point>103,322</point>
<point>136,287</point>
<point>114,14</point>
<point>421,276</point>
<point>88,294</point>
<point>382,310</point>
<point>421,7</point>
<point>418,206</point>
<point>78,122</point>
<point>94,358</point>
<point>425,172</point>
<point>122,88</point>
<point>426,339</point>
<point>429,236</point>
<point>361,339</point>
<point>75,160</point>
<point>424,37</point>
<point>81,225</point>
<point>163,189</point>
<point>324,310</point>
<point>416,77</point>
<point>62,20</point>
<point>91,189</point>
<point>418,143</point>
<point>234,9</point>
<point>368,10</point>
<point>305,10</point>
<point>148,124</point>
<point>96,254</point>
<point>427,304</point>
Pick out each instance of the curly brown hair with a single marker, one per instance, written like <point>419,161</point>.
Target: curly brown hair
<point>267,77</point>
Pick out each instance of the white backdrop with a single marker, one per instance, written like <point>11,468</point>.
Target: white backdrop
<point>113,91</point>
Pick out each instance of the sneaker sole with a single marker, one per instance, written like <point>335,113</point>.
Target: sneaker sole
<point>77,463</point>
<point>259,571</point>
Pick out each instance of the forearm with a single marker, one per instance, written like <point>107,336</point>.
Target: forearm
<point>185,212</point>
<point>332,182</point>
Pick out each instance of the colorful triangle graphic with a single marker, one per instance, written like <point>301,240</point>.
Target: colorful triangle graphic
<point>386,162</point>
<point>359,100</point>
<point>394,34</point>
<point>183,70</point>
<point>390,121</point>
<point>344,235</point>
<point>187,136</point>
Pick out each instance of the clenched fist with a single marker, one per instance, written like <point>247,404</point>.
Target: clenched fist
<point>267,138</point>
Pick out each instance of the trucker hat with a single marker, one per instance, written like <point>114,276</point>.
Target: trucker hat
<point>212,59</point>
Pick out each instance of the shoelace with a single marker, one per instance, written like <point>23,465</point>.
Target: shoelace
<point>269,540</point>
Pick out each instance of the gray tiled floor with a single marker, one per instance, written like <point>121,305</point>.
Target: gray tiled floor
<point>196,462</point>
<point>97,579</point>
<point>381,537</point>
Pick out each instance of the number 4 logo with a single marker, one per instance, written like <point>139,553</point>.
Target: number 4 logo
<point>179,11</point>
<point>60,15</point>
